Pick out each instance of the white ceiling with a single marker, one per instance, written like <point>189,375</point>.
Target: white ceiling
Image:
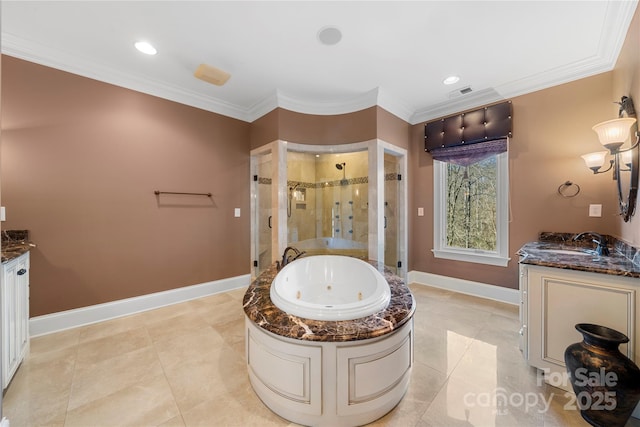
<point>392,54</point>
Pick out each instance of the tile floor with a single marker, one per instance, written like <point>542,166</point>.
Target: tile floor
<point>184,365</point>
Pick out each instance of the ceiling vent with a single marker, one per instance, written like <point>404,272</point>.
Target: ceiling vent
<point>462,91</point>
<point>211,74</point>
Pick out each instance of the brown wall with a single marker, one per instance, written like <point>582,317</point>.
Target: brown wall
<point>364,125</point>
<point>80,162</point>
<point>327,130</point>
<point>551,129</point>
<point>626,81</point>
<point>392,129</point>
<point>265,129</point>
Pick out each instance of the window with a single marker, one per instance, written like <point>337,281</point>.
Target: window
<point>471,210</point>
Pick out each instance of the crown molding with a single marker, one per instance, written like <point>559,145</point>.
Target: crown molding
<point>329,107</point>
<point>374,97</point>
<point>456,105</point>
<point>262,107</point>
<point>616,24</point>
<point>61,60</point>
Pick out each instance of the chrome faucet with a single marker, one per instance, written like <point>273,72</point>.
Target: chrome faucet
<point>287,259</point>
<point>598,239</point>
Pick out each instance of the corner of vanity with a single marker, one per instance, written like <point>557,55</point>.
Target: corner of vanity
<point>563,282</point>
<point>14,297</point>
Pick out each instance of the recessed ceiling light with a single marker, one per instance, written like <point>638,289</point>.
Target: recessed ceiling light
<point>146,47</point>
<point>451,80</point>
<point>329,35</point>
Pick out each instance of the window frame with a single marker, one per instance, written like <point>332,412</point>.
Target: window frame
<point>499,257</point>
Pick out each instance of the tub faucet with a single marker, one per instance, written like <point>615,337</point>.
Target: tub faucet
<point>598,239</point>
<point>286,259</point>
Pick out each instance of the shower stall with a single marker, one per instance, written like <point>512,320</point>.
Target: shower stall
<point>347,199</point>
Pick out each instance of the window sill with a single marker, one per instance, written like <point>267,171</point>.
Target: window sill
<point>478,258</point>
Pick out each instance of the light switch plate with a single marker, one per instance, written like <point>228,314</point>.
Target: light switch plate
<point>420,211</point>
<point>236,212</point>
<point>3,214</point>
<point>595,210</point>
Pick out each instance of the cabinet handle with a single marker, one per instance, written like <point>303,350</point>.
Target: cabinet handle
<point>21,271</point>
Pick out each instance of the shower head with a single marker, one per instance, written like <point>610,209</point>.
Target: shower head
<point>339,166</point>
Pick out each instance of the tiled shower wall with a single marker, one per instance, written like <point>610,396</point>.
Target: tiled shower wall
<point>323,203</point>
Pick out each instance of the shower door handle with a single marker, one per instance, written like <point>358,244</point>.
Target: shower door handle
<point>269,222</point>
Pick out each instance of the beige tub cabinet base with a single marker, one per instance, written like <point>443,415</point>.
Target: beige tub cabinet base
<point>555,300</point>
<point>329,383</point>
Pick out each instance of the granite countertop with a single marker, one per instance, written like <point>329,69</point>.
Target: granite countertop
<point>260,309</point>
<point>622,261</point>
<point>15,243</point>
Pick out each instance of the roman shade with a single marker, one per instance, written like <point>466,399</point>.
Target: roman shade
<point>469,137</point>
<point>468,154</point>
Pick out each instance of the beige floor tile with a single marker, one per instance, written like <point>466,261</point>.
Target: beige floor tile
<point>439,348</point>
<point>184,365</point>
<point>147,403</point>
<point>39,391</point>
<point>425,383</point>
<point>232,332</point>
<point>238,294</point>
<point>113,345</point>
<point>232,410</point>
<point>179,325</point>
<point>95,380</point>
<point>173,422</point>
<point>212,300</point>
<point>222,313</point>
<point>36,400</point>
<point>164,314</point>
<point>54,342</point>
<point>193,346</point>
<point>110,327</point>
<point>463,403</point>
<point>198,380</point>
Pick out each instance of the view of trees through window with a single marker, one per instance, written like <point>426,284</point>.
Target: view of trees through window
<point>472,205</point>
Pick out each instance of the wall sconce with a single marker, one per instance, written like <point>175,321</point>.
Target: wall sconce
<point>612,135</point>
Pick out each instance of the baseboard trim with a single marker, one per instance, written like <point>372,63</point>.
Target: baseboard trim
<point>482,290</point>
<point>69,319</point>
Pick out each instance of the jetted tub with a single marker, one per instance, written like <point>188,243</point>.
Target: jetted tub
<point>330,287</point>
<point>333,373</point>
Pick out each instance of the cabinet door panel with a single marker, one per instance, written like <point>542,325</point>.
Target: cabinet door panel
<point>567,303</point>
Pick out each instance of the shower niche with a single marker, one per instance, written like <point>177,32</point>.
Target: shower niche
<point>347,199</point>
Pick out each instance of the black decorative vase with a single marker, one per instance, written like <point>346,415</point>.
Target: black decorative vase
<point>605,381</point>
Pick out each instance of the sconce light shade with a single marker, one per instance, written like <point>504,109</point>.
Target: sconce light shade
<point>614,133</point>
<point>626,157</point>
<point>595,160</point>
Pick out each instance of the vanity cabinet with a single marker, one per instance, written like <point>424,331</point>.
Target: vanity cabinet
<point>554,300</point>
<point>14,297</point>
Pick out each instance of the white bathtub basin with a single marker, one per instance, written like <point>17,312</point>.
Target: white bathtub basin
<point>330,287</point>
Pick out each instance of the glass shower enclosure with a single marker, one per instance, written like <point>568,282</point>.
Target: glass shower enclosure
<point>347,199</point>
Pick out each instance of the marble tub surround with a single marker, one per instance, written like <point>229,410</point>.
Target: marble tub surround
<point>15,243</point>
<point>260,309</point>
<point>624,260</point>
